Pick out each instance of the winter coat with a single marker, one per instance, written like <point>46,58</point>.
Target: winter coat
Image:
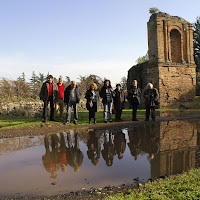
<point>67,94</point>
<point>118,98</point>
<point>44,92</point>
<point>56,92</point>
<point>103,94</point>
<point>134,95</point>
<point>89,94</point>
<point>152,97</point>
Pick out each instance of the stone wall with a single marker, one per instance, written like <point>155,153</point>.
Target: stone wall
<point>28,108</point>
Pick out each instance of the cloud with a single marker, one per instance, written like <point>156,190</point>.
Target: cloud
<point>12,67</point>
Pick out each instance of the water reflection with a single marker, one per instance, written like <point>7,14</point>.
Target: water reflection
<point>102,157</point>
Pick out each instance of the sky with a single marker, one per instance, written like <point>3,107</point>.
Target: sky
<point>79,37</point>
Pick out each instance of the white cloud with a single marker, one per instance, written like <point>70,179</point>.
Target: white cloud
<point>12,67</point>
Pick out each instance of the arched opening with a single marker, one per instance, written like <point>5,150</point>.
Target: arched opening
<point>175,38</point>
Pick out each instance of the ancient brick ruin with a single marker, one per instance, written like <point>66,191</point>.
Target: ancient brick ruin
<point>171,67</point>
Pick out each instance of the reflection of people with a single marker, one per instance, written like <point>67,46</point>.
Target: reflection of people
<point>46,95</point>
<point>72,97</point>
<point>59,97</point>
<point>106,94</point>
<point>151,97</point>
<point>152,142</point>
<point>134,98</point>
<point>51,159</point>
<point>94,148</point>
<point>74,154</point>
<point>93,100</point>
<point>119,99</point>
<point>119,144</point>
<point>108,153</point>
<point>63,156</point>
<point>135,142</point>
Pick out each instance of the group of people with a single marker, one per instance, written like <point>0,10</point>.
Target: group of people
<point>58,96</point>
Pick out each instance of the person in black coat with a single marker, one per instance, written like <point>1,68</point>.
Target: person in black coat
<point>72,96</point>
<point>134,94</point>
<point>106,94</point>
<point>93,99</point>
<point>151,100</point>
<point>47,95</point>
<point>119,99</point>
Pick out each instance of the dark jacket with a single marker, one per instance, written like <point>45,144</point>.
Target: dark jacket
<point>118,98</point>
<point>56,93</point>
<point>68,92</point>
<point>103,94</point>
<point>44,92</point>
<point>134,95</point>
<point>89,94</point>
<point>153,96</point>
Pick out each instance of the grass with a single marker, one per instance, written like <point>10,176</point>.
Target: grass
<point>182,186</point>
<point>8,121</point>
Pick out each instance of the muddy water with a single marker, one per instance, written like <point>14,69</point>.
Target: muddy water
<point>69,161</point>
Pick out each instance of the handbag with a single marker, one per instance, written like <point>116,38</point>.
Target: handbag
<point>89,104</point>
<point>157,102</point>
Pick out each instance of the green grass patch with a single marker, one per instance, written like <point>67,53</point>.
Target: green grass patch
<point>183,186</point>
<point>9,121</point>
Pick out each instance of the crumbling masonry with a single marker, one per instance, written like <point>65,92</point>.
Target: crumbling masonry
<point>171,67</point>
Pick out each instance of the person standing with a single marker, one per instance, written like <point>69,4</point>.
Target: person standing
<point>46,95</point>
<point>59,97</point>
<point>151,100</point>
<point>72,96</point>
<point>134,94</point>
<point>119,99</point>
<point>106,94</point>
<point>93,99</point>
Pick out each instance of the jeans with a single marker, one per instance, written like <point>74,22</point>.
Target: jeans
<point>69,109</point>
<point>109,106</point>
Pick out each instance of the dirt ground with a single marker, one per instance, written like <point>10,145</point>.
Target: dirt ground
<point>56,127</point>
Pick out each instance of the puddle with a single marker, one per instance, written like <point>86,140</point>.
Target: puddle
<point>69,161</point>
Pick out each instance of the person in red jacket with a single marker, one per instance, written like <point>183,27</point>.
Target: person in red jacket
<point>59,97</point>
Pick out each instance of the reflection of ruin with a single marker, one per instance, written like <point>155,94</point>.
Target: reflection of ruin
<point>178,143</point>
<point>171,66</point>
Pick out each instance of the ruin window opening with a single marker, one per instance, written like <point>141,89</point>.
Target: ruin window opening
<point>175,38</point>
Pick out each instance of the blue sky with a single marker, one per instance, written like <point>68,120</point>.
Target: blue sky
<point>79,37</point>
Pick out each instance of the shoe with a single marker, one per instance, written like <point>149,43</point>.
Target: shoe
<point>105,121</point>
<point>110,121</point>
<point>67,122</point>
<point>53,120</point>
<point>135,120</point>
<point>75,123</point>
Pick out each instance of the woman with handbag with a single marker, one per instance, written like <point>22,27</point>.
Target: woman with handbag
<point>93,99</point>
